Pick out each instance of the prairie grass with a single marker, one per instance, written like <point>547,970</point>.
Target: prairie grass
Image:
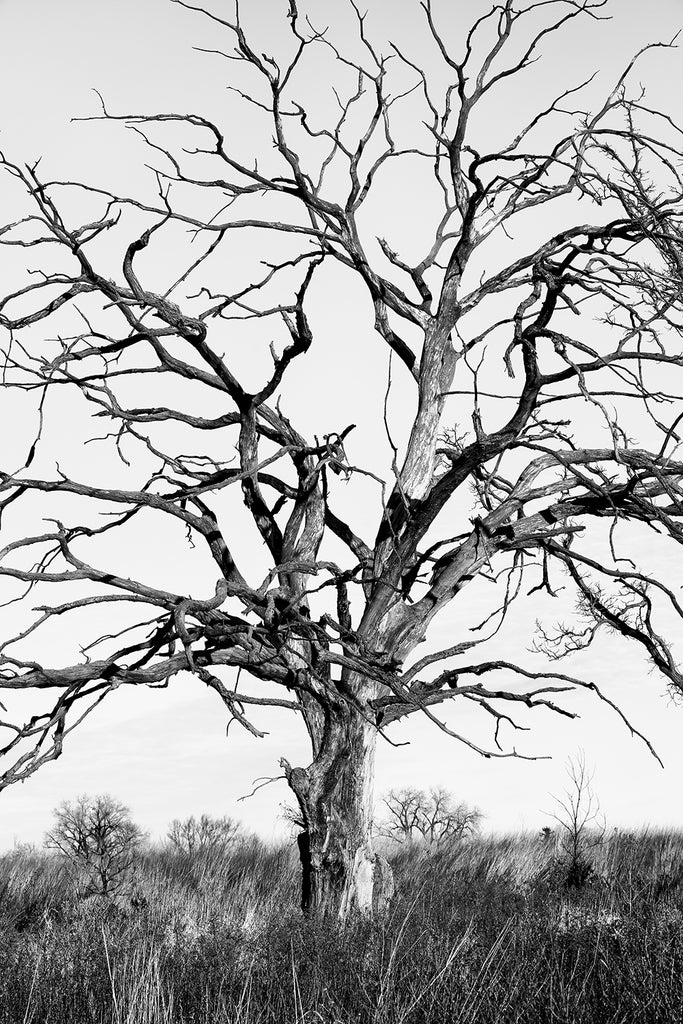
<point>484,930</point>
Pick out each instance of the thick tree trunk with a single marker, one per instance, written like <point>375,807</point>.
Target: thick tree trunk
<point>341,872</point>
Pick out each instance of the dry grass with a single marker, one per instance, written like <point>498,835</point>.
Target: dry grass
<point>482,931</point>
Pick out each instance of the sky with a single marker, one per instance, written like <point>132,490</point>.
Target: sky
<point>165,754</point>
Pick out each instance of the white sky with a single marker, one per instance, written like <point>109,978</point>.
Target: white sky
<point>165,754</point>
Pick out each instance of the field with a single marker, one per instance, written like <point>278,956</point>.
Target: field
<point>486,930</point>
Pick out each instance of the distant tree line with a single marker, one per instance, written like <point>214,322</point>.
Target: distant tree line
<point>97,836</point>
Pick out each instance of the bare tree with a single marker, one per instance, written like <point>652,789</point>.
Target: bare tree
<point>433,817</point>
<point>404,807</point>
<point>580,820</point>
<point>534,342</point>
<point>97,835</point>
<point>203,834</point>
<point>444,820</point>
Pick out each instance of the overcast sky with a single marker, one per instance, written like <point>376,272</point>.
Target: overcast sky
<point>166,754</point>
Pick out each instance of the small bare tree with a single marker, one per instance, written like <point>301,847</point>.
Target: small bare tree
<point>204,834</point>
<point>580,820</point>
<point>403,806</point>
<point>99,837</point>
<point>432,816</point>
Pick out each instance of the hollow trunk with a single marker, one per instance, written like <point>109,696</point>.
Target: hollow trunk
<point>341,872</point>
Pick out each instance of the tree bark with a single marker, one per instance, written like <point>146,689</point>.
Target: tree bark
<point>341,872</point>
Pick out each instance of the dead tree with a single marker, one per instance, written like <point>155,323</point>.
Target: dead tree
<point>580,821</point>
<point>534,343</point>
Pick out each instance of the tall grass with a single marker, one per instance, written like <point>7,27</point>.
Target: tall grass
<point>481,931</point>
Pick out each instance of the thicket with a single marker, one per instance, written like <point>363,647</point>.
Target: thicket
<point>484,930</point>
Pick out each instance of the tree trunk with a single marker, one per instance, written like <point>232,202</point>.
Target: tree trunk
<point>341,872</point>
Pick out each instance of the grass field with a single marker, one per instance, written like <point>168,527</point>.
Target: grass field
<point>483,931</point>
